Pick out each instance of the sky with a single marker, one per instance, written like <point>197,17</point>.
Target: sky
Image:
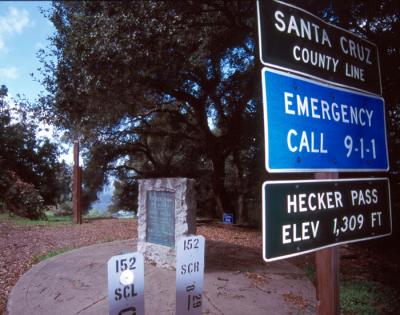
<point>23,31</point>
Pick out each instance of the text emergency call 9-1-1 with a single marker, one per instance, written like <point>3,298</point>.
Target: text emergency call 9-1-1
<point>311,125</point>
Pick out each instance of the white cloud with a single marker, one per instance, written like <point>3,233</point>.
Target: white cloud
<point>39,45</point>
<point>43,129</point>
<point>9,73</point>
<point>13,22</point>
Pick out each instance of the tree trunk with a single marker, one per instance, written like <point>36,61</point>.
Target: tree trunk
<point>220,209</point>
<point>242,216</point>
<point>242,213</point>
<point>218,184</point>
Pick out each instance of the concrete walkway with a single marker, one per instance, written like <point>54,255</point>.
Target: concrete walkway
<point>76,283</point>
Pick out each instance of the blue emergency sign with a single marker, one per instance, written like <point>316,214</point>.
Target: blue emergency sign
<point>315,127</point>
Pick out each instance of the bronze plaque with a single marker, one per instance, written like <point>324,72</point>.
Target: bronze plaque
<point>161,218</point>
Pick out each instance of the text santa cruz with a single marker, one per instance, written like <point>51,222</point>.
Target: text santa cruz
<point>311,31</point>
<point>306,44</point>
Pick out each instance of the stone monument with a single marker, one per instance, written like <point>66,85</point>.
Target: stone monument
<point>167,211</point>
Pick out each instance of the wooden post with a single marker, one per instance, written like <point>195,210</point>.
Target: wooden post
<point>79,194</point>
<point>327,271</point>
<point>76,187</point>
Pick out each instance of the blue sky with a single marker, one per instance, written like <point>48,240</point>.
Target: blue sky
<point>23,31</point>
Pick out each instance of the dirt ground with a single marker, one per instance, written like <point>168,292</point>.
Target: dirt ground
<point>21,245</point>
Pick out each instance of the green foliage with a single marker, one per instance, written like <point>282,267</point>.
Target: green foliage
<point>64,208</point>
<point>31,177</point>
<point>49,219</point>
<point>125,195</point>
<point>379,22</point>
<point>362,297</point>
<point>154,88</point>
<point>366,297</point>
<point>55,218</point>
<point>22,198</point>
<point>170,88</point>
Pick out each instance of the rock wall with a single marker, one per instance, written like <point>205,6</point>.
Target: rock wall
<point>185,217</point>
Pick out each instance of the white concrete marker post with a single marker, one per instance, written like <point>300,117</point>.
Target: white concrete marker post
<point>126,284</point>
<point>189,275</point>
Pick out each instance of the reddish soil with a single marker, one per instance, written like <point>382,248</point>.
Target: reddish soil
<point>20,245</point>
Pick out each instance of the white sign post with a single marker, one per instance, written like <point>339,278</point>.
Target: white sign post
<point>126,284</point>
<point>189,275</point>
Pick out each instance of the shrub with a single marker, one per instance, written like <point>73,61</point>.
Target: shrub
<point>64,209</point>
<point>22,198</point>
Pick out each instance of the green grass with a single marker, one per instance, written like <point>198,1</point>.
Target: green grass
<point>367,298</point>
<point>95,214</point>
<point>362,297</point>
<point>51,219</point>
<point>39,258</point>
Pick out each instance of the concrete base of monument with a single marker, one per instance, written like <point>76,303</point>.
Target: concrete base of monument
<point>157,255</point>
<point>76,283</point>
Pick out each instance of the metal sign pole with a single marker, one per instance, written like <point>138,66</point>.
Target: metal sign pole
<point>327,271</point>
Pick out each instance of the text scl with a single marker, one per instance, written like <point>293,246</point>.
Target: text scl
<point>126,284</point>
